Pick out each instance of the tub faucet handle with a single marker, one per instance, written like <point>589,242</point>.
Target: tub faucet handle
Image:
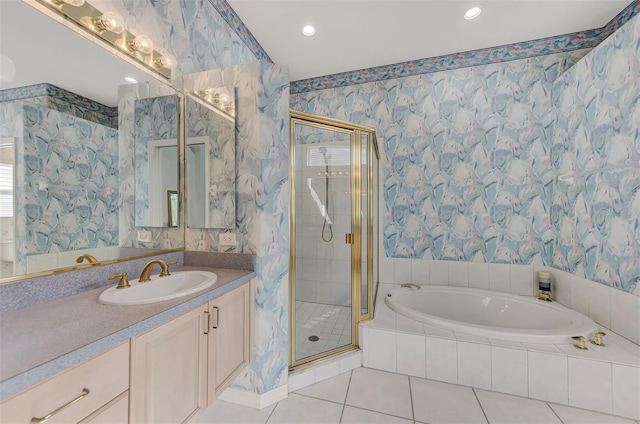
<point>597,339</point>
<point>415,286</point>
<point>580,342</point>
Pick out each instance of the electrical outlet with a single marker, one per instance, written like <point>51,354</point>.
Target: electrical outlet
<point>144,236</point>
<point>227,239</point>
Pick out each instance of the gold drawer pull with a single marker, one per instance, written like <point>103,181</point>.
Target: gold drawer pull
<point>85,392</point>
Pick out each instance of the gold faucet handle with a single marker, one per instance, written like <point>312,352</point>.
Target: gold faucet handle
<point>165,271</point>
<point>580,342</point>
<point>124,281</point>
<point>597,339</point>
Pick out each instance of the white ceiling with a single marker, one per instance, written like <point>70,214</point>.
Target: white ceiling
<point>43,50</point>
<point>350,35</point>
<point>358,34</point>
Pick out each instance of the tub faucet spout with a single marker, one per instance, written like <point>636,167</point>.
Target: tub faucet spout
<point>415,286</point>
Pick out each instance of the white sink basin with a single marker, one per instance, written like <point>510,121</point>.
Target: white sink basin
<point>176,285</point>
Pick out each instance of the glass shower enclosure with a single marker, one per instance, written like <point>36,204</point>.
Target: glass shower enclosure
<point>333,266</point>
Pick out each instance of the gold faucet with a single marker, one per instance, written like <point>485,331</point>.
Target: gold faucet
<point>124,281</point>
<point>579,344</point>
<point>90,258</point>
<point>597,339</point>
<point>415,286</point>
<point>145,275</point>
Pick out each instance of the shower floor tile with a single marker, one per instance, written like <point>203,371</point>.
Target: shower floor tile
<point>330,323</point>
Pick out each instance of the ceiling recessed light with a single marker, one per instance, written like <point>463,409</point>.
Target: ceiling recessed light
<point>308,30</point>
<point>473,13</point>
<point>131,80</point>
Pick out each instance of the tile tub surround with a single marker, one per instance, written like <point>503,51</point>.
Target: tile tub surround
<point>611,308</point>
<point>604,379</point>
<point>40,341</point>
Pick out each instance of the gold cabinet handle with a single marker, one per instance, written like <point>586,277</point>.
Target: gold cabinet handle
<point>208,325</point>
<point>217,311</point>
<point>85,392</point>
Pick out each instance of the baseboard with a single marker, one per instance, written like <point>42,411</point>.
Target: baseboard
<point>255,400</point>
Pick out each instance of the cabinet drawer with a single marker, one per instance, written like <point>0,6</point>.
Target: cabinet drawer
<point>104,377</point>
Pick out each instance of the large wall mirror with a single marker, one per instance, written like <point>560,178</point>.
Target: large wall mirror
<point>68,149</point>
<point>156,161</point>
<point>210,158</point>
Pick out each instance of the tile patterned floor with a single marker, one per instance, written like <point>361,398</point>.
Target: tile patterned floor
<point>332,324</point>
<point>367,396</point>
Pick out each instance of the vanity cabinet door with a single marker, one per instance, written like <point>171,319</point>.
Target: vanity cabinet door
<point>168,371</point>
<point>229,338</point>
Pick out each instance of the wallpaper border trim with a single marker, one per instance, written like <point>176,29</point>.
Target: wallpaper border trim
<point>544,46</point>
<point>233,20</point>
<point>46,89</point>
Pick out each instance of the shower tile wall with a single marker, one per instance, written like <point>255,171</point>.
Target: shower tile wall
<point>323,269</point>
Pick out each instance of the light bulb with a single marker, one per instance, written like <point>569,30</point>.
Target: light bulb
<point>308,30</point>
<point>473,13</point>
<point>166,61</point>
<point>109,21</point>
<point>142,44</point>
<point>76,3</point>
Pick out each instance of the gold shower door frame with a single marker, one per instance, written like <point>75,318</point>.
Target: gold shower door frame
<point>357,133</point>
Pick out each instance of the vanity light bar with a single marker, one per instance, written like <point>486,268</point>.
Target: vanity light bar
<point>107,26</point>
<point>220,102</point>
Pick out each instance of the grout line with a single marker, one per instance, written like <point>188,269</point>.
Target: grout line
<point>554,412</point>
<point>272,411</point>
<point>342,413</point>
<point>413,413</point>
<point>378,412</point>
<point>348,387</point>
<point>480,403</point>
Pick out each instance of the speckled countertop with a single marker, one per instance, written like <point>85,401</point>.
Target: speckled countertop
<point>42,340</point>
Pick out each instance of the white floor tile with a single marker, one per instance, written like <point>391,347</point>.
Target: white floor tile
<point>507,409</point>
<point>436,402</point>
<point>361,416</point>
<point>380,391</point>
<point>570,415</point>
<point>222,412</point>
<point>298,409</point>
<point>333,389</point>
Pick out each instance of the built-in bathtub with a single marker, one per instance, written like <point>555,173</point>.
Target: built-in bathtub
<point>491,314</point>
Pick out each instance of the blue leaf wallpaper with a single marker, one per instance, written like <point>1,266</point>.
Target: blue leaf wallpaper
<point>156,118</point>
<point>596,215</point>
<point>69,170</point>
<point>466,164</point>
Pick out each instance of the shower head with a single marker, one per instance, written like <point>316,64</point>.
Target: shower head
<point>323,151</point>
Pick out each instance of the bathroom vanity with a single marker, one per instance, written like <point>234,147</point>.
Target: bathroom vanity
<point>162,362</point>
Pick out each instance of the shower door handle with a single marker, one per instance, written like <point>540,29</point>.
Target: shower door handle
<point>348,238</point>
